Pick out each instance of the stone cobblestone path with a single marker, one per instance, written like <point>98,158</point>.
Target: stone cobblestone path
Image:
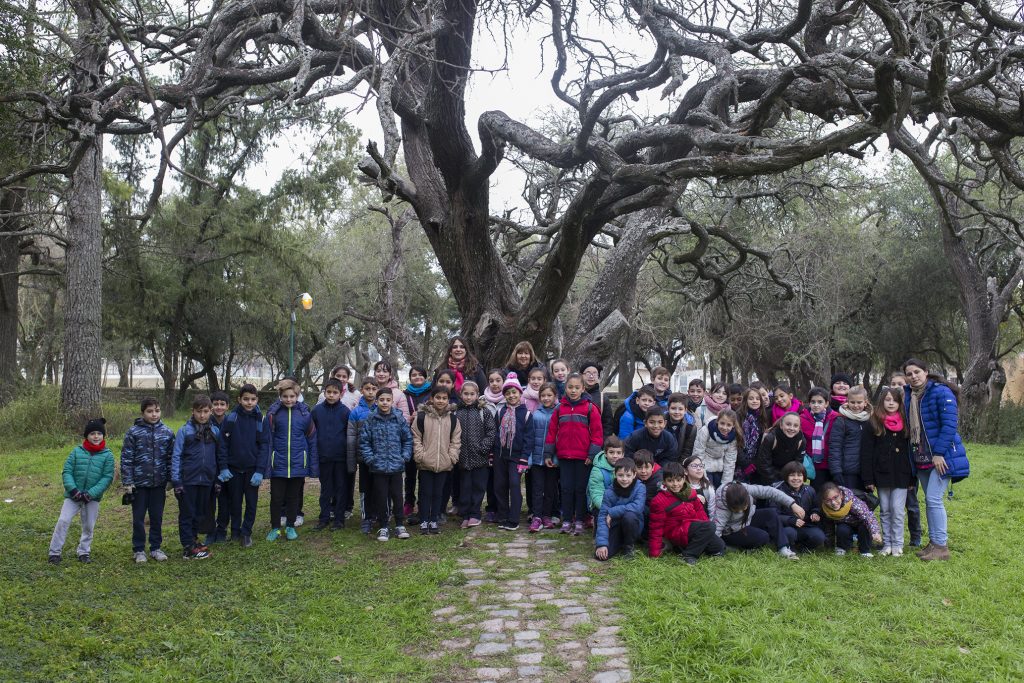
<point>520,608</point>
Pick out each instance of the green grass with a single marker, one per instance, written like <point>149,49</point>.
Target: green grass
<point>760,618</point>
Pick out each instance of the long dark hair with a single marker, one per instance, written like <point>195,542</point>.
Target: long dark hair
<point>737,426</point>
<point>763,414</point>
<point>736,495</point>
<point>938,379</point>
<point>878,414</point>
<point>472,364</point>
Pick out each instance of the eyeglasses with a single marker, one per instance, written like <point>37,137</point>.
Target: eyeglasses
<point>696,465</point>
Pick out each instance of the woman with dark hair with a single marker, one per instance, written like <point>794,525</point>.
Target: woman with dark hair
<point>461,361</point>
<point>523,359</point>
<point>935,447</point>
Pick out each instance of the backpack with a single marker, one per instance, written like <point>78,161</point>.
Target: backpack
<point>231,419</point>
<point>421,421</point>
<point>617,417</point>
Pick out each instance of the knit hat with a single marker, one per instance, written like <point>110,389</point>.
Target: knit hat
<point>841,377</point>
<point>97,424</point>
<point>511,381</point>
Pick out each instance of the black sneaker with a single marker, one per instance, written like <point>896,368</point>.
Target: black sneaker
<point>322,524</point>
<point>54,559</point>
<point>337,524</point>
<point>84,559</point>
<point>198,553</point>
<point>690,560</point>
<point>246,541</point>
<point>509,526</point>
<point>628,552</point>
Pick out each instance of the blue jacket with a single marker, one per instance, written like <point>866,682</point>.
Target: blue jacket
<point>146,454</point>
<point>631,420</point>
<point>521,448</point>
<point>243,439</point>
<point>844,447</point>
<point>385,442</point>
<point>331,431</point>
<point>664,449</point>
<point>616,506</point>
<point>939,418</point>
<point>540,419</point>
<point>290,442</point>
<point>356,417</point>
<point>195,461</point>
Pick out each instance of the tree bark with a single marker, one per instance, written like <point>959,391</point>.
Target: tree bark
<point>11,202</point>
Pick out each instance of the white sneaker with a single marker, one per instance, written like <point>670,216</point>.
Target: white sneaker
<point>158,555</point>
<point>284,521</point>
<point>140,557</point>
<point>383,534</point>
<point>401,532</point>
<point>897,552</point>
<point>299,519</point>
<point>788,553</point>
<point>840,552</point>
<point>885,552</point>
<point>866,555</point>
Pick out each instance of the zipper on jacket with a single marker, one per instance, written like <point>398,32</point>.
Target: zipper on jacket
<point>289,443</point>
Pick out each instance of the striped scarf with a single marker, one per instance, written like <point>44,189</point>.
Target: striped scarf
<point>818,438</point>
<point>507,429</point>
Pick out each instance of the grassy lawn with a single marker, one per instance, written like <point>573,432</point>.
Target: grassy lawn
<point>339,606</point>
<point>761,618</point>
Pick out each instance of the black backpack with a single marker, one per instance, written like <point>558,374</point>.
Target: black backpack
<point>421,421</point>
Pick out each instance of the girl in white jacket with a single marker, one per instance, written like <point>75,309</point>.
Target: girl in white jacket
<point>716,444</point>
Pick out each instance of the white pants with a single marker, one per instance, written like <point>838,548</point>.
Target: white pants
<point>893,503</point>
<point>89,512</point>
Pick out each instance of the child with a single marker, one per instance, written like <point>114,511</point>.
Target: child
<point>735,393</point>
<point>349,396</point>
<point>885,464</point>
<point>784,443</point>
<point>219,407</point>
<point>653,437</point>
<point>845,437</point>
<point>243,435</point>
<point>513,445</point>
<point>846,515</point>
<point>356,464</point>
<point>477,429</point>
<point>681,425</point>
<point>417,391</point>
<point>766,398</point>
<point>714,402</point>
<point>816,423</point>
<point>740,524</point>
<point>755,421</point>
<point>88,473</point>
<point>898,380</point>
<point>446,380</point>
<point>621,517</point>
<point>678,515</point>
<point>531,392</point>
<point>695,392</point>
<point>574,438</point>
<point>717,444</point>
<point>197,458</point>
<point>331,420</point>
<point>699,483</point>
<point>385,377</point>
<point>603,472</point>
<point>436,443</point>
<point>661,381</point>
<point>291,456</point>
<point>220,501</point>
<point>559,371</point>
<point>450,490</point>
<point>785,402</point>
<point>840,388</point>
<point>544,476</point>
<point>800,533</point>
<point>493,394</point>
<point>385,442</point>
<point>635,408</point>
<point>650,475</point>
<point>145,471</point>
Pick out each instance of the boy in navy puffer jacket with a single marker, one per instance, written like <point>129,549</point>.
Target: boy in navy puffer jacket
<point>331,418</point>
<point>145,471</point>
<point>385,442</point>
<point>242,431</point>
<point>292,456</point>
<point>197,458</point>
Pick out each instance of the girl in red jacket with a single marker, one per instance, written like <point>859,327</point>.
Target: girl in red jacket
<point>574,438</point>
<point>678,515</point>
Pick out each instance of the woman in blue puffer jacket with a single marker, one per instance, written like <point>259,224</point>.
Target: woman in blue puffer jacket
<point>291,456</point>
<point>935,446</point>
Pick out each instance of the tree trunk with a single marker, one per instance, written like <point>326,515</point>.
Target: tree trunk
<point>11,202</point>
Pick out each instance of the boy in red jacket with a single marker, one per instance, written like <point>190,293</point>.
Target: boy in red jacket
<point>677,515</point>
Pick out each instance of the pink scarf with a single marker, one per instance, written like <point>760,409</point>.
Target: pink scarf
<point>714,406</point>
<point>531,397</point>
<point>893,422</point>
<point>459,370</point>
<point>493,397</point>
<point>777,412</point>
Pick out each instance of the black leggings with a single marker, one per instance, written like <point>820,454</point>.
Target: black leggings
<point>573,475</point>
<point>285,499</point>
<point>545,489</point>
<point>765,527</point>
<point>431,490</point>
<point>701,539</point>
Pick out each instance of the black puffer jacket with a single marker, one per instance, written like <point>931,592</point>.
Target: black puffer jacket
<point>477,435</point>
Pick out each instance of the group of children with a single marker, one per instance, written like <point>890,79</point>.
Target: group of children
<point>696,472</point>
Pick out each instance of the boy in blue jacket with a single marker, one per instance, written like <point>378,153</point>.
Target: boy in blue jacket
<point>145,471</point>
<point>290,445</point>
<point>331,420</point>
<point>242,432</point>
<point>621,518</point>
<point>385,442</point>
<point>198,467</point>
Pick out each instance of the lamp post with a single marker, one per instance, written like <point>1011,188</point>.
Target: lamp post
<point>307,303</point>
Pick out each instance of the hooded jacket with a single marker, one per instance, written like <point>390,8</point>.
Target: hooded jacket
<point>356,417</point>
<point>331,431</point>
<point>601,477</point>
<point>664,449</point>
<point>729,522</point>
<point>291,442</point>
<point>574,431</point>
<point>385,442</point>
<point>243,436</point>
<point>476,425</point>
<point>521,448</point>
<point>90,473</point>
<point>717,456</point>
<point>844,447</point>
<point>859,514</point>
<point>632,418</point>
<point>541,419</point>
<point>146,454</point>
<point>616,506</point>
<point>672,521</point>
<point>437,448</point>
<point>196,461</point>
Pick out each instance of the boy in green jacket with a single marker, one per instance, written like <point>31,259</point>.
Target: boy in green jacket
<point>88,472</point>
<point>603,474</point>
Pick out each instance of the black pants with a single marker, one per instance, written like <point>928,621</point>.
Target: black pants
<point>387,488</point>
<point>191,512</point>
<point>844,537</point>
<point>821,477</point>
<point>914,515</point>
<point>623,532</point>
<point>545,489</point>
<point>410,484</point>
<point>350,490</point>
<point>528,480</point>
<point>765,527</point>
<point>239,490</point>
<point>148,499</point>
<point>285,500</point>
<point>492,497</point>
<point>573,476</point>
<point>472,486</point>
<point>852,481</point>
<point>701,539</point>
<point>809,537</point>
<point>333,478</point>
<point>431,492</point>
<point>508,490</point>
<point>450,491</point>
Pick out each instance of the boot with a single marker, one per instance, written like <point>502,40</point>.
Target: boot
<point>925,550</point>
<point>937,552</point>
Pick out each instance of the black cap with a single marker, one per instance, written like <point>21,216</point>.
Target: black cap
<point>97,424</point>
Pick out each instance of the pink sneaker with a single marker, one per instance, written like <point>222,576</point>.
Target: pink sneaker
<point>535,525</point>
<point>473,521</point>
<point>589,521</point>
<point>407,509</point>
<point>547,523</point>
<point>465,524</point>
<point>577,530</point>
<point>566,527</point>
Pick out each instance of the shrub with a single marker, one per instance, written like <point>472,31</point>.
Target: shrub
<point>35,419</point>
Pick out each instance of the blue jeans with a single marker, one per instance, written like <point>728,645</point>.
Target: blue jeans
<point>935,508</point>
